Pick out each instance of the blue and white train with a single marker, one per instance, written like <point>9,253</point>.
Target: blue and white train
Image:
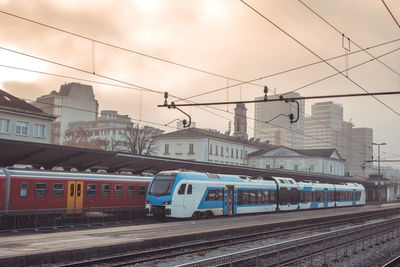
<point>181,194</point>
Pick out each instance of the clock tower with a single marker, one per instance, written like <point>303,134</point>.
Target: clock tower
<point>240,125</point>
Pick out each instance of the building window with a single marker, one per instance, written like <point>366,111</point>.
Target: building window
<point>191,149</point>
<point>216,150</point>
<point>237,153</point>
<point>21,128</point>
<point>4,126</point>
<point>296,167</point>
<point>166,149</point>
<point>267,166</point>
<point>39,130</point>
<point>231,152</point>
<point>311,167</point>
<point>222,151</point>
<point>241,154</point>
<point>210,149</point>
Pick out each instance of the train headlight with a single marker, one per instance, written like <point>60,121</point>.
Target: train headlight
<point>167,203</point>
<point>148,202</point>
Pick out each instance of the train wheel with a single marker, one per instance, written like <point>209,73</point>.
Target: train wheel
<point>196,215</point>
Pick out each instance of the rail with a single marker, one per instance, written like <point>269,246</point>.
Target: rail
<point>299,250</point>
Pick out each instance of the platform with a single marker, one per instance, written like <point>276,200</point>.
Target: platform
<point>41,248</point>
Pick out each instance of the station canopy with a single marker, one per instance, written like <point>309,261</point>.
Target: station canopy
<point>49,156</point>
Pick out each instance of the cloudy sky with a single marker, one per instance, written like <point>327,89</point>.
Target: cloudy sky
<point>193,47</point>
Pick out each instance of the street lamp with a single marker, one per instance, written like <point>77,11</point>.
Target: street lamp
<point>379,170</point>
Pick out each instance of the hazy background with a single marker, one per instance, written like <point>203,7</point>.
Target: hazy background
<point>223,37</point>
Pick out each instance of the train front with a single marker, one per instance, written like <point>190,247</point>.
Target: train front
<point>159,195</point>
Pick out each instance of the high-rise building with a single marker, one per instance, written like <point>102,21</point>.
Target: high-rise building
<point>74,102</point>
<point>326,129</point>
<point>273,125</point>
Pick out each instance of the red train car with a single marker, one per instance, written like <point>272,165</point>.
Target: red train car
<point>26,191</point>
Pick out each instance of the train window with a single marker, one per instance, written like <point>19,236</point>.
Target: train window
<point>181,190</point>
<point>290,181</point>
<point>293,196</point>
<point>118,188</point>
<point>189,190</point>
<point>282,181</point>
<point>105,190</point>
<point>252,196</point>
<point>23,189</point>
<point>72,193</point>
<point>58,190</point>
<point>210,195</point>
<point>130,190</point>
<point>259,198</point>
<point>358,195</point>
<point>219,194</point>
<point>40,189</point>
<point>78,190</point>
<point>91,190</point>
<point>142,190</point>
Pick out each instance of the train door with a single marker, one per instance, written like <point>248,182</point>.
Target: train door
<point>75,197</point>
<point>325,197</point>
<point>229,200</point>
<point>354,197</point>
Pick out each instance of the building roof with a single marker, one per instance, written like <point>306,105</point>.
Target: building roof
<point>306,152</point>
<point>202,133</point>
<point>11,103</point>
<point>326,152</point>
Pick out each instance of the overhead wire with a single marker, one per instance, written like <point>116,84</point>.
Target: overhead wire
<point>351,40</point>
<point>122,48</point>
<point>391,14</point>
<point>288,70</point>
<point>151,90</point>
<point>315,54</point>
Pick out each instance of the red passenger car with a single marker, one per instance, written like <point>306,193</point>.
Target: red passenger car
<point>28,191</point>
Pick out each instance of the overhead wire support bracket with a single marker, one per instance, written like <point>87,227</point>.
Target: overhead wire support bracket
<point>185,123</point>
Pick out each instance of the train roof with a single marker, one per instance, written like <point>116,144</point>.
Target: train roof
<point>74,175</point>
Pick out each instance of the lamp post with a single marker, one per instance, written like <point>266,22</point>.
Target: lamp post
<point>379,170</point>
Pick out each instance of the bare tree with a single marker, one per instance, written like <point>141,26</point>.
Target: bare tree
<point>82,138</point>
<point>137,140</point>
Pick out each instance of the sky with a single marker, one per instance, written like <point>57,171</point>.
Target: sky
<point>193,47</point>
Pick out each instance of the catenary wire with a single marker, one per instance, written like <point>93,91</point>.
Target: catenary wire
<point>288,70</point>
<point>391,14</point>
<point>352,41</point>
<point>315,54</point>
<point>190,101</point>
<point>122,48</point>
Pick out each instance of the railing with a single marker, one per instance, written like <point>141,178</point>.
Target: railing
<point>39,219</point>
<point>302,251</point>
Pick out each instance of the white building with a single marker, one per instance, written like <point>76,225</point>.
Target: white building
<point>22,121</point>
<point>74,102</point>
<point>110,126</point>
<point>327,161</point>
<point>206,146</point>
<point>279,131</point>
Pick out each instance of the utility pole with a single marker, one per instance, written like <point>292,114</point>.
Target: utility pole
<point>379,170</point>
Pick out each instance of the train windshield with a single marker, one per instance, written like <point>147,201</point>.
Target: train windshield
<point>162,185</point>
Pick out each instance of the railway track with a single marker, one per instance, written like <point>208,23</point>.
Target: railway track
<point>202,246</point>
